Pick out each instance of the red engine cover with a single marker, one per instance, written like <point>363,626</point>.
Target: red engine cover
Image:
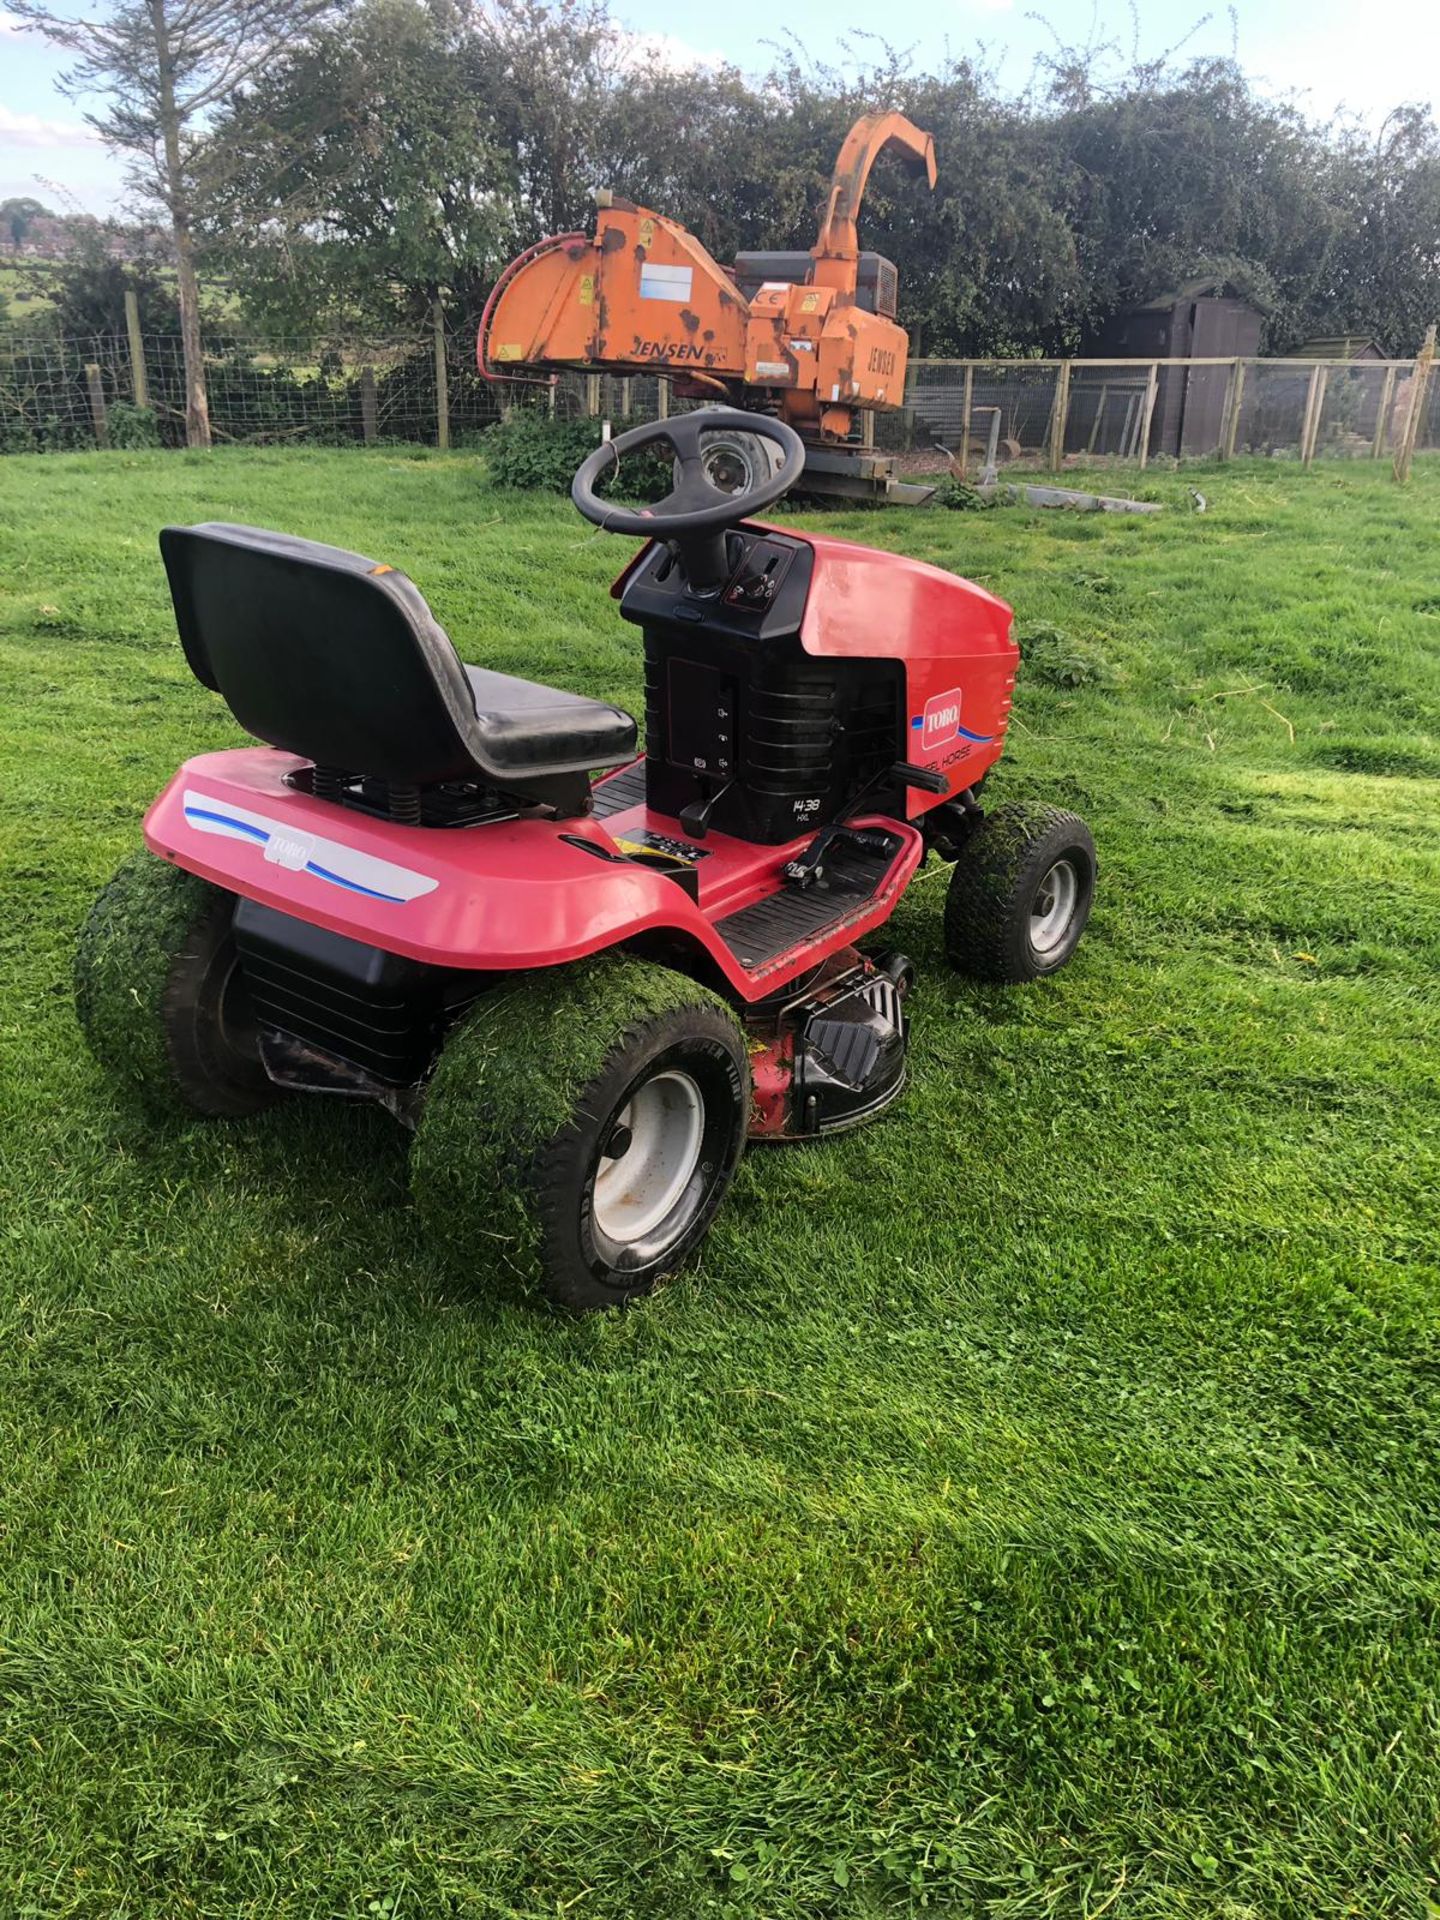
<point>953,636</point>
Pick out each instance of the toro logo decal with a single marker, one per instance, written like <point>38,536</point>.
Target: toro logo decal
<point>939,723</point>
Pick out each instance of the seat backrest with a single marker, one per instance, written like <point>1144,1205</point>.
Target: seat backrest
<point>322,652</point>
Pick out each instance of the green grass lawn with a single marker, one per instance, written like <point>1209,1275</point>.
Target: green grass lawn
<point>19,298</point>
<point>1026,1506</point>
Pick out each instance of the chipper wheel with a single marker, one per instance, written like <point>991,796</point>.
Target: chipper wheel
<point>1020,894</point>
<point>160,996</point>
<point>581,1129</point>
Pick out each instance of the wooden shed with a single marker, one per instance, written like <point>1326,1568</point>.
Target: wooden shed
<point>1201,321</point>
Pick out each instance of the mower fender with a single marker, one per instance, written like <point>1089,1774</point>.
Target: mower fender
<point>517,894</point>
<point>510,895</point>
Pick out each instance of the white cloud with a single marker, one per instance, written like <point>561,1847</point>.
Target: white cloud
<point>32,132</point>
<point>668,52</point>
<point>9,24</point>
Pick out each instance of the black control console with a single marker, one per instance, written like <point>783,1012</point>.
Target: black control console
<point>746,733</point>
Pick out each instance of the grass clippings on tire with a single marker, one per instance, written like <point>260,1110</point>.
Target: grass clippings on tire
<point>506,1084</point>
<point>127,945</point>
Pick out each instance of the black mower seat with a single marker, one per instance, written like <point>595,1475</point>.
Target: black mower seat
<point>521,717</point>
<point>338,658</point>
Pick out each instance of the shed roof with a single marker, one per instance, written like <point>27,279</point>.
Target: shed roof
<point>1213,288</point>
<point>1339,346</point>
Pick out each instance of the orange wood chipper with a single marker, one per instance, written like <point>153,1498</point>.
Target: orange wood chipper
<point>809,336</point>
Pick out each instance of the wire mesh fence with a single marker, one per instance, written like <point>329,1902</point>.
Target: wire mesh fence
<point>58,394</point>
<point>1045,414</point>
<point>987,415</point>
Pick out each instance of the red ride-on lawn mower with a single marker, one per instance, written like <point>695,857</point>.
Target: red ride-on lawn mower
<point>584,991</point>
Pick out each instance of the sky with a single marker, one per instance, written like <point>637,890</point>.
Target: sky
<point>1329,54</point>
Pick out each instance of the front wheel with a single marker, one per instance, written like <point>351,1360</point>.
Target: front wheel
<point>1020,894</point>
<point>581,1130</point>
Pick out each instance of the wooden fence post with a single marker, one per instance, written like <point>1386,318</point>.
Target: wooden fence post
<point>1419,381</point>
<point>1310,423</point>
<point>1234,401</point>
<point>662,398</point>
<point>139,386</point>
<point>965,421</point>
<point>97,404</point>
<point>369,425</point>
<point>1147,412</point>
<point>592,395</point>
<point>1059,413</point>
<point>442,381</point>
<point>1098,418</point>
<point>1382,414</point>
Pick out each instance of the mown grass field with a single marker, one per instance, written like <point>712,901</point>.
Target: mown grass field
<point>19,299</point>
<point>1026,1507</point>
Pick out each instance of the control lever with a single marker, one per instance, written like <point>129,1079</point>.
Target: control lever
<point>695,816</point>
<point>926,779</point>
<point>807,869</point>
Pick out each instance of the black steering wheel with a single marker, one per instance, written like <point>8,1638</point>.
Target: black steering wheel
<point>695,513</point>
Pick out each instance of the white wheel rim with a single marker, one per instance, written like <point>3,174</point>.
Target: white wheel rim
<point>1053,909</point>
<point>661,1129</point>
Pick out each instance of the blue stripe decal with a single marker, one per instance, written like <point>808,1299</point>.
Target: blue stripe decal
<point>321,873</point>
<point>339,880</point>
<point>984,739</point>
<point>225,820</point>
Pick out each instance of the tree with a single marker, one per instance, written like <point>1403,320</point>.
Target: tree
<point>409,148</point>
<point>1383,267</point>
<point>365,173</point>
<point>415,146</point>
<point>18,216</point>
<point>1168,177</point>
<point>164,66</point>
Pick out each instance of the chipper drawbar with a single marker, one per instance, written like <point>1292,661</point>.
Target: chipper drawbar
<point>584,977</point>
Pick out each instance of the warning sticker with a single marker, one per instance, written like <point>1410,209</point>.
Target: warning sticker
<point>643,844</point>
<point>772,369</point>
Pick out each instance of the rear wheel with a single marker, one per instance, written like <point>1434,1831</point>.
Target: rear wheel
<point>160,995</point>
<point>580,1131</point>
<point>1020,894</point>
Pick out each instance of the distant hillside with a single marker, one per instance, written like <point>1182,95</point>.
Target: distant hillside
<point>54,237</point>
